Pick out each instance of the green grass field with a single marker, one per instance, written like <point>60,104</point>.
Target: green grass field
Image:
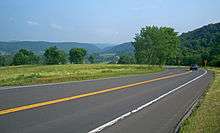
<point>206,117</point>
<point>36,74</point>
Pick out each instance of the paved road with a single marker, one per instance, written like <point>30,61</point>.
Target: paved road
<point>157,101</point>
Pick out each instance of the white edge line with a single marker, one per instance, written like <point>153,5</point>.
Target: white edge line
<point>100,128</point>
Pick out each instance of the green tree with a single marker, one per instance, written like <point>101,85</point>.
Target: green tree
<point>214,55</point>
<point>91,59</point>
<point>191,59</point>
<point>24,56</point>
<point>6,60</point>
<point>54,56</point>
<point>215,60</point>
<point>155,45</point>
<point>76,55</point>
<point>2,60</point>
<point>126,59</point>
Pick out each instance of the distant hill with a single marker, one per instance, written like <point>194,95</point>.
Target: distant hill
<point>39,46</point>
<point>104,45</point>
<point>124,48</point>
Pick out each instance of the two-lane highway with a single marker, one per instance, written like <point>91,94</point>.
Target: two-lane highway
<point>145,103</point>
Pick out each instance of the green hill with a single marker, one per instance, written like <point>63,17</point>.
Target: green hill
<point>124,48</point>
<point>206,36</point>
<point>39,46</point>
<point>201,44</point>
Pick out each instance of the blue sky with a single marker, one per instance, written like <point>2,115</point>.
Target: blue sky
<point>100,21</point>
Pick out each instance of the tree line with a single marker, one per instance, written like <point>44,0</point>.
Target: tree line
<point>163,46</point>
<point>153,45</point>
<point>51,56</point>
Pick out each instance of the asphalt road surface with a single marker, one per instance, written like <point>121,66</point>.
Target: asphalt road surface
<point>152,103</point>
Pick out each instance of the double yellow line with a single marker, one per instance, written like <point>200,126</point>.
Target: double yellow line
<point>40,104</point>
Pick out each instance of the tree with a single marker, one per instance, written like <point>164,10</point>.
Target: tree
<point>126,59</point>
<point>6,60</point>
<point>155,45</point>
<point>2,60</point>
<point>191,59</point>
<point>76,55</point>
<point>91,59</point>
<point>215,61</point>
<point>54,56</point>
<point>214,55</point>
<point>23,57</point>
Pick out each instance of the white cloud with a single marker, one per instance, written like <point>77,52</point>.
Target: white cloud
<point>56,26</point>
<point>32,23</point>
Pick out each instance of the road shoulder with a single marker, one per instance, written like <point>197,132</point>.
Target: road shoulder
<point>205,117</point>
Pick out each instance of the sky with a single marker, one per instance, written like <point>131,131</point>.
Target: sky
<point>100,21</point>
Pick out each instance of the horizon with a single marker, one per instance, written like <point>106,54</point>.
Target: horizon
<point>95,43</point>
<point>100,22</point>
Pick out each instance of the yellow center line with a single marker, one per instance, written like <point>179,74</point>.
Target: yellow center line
<point>40,104</point>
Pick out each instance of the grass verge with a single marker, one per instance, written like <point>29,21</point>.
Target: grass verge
<point>35,74</point>
<point>206,117</point>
